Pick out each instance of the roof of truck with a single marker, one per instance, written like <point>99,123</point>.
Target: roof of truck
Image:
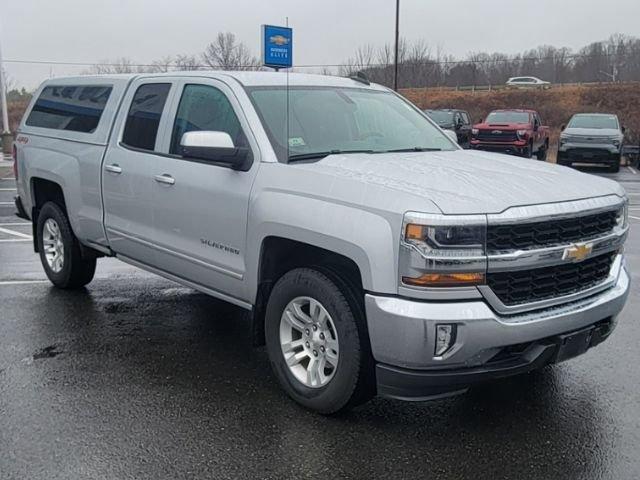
<point>246,78</point>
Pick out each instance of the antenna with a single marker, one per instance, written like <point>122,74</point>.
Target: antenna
<point>287,101</point>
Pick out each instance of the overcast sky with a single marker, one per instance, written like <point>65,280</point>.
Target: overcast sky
<point>325,31</point>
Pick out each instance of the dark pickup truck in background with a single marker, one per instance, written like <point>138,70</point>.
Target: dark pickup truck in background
<point>458,121</point>
<point>517,132</point>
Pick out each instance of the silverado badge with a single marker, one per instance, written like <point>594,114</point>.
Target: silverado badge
<point>577,253</point>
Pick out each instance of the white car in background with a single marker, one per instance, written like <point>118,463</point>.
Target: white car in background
<point>526,81</point>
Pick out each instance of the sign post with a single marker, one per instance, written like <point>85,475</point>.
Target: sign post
<point>277,47</point>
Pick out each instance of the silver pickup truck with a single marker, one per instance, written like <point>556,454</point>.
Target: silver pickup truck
<point>374,254</point>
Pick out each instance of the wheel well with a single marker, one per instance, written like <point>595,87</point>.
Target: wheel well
<point>44,191</point>
<point>279,255</point>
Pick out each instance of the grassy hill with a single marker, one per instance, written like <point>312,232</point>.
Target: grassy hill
<point>555,105</point>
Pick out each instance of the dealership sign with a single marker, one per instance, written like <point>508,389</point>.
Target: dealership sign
<point>277,46</point>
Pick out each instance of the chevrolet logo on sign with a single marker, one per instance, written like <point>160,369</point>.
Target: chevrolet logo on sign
<point>279,40</point>
<point>577,253</point>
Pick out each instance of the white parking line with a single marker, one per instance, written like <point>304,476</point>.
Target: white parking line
<point>632,170</point>
<point>7,203</point>
<point>8,178</point>
<point>17,234</point>
<point>8,189</point>
<point>635,218</point>
<point>14,240</point>
<point>21,282</point>
<point>15,224</point>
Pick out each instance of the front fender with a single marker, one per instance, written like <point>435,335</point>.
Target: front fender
<point>370,238</point>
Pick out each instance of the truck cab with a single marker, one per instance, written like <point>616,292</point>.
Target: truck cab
<point>372,254</point>
<point>516,132</point>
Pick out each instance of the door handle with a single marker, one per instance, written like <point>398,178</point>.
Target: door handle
<point>113,168</point>
<point>165,178</point>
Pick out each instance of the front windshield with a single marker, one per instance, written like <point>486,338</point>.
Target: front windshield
<point>508,117</point>
<point>593,121</point>
<point>342,120</point>
<point>440,116</point>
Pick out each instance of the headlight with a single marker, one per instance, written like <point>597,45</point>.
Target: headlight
<point>563,139</point>
<point>523,133</point>
<point>622,218</point>
<point>616,142</point>
<point>475,131</point>
<point>443,250</point>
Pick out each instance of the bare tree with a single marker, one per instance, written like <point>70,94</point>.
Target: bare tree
<point>226,53</point>
<point>120,65</point>
<point>187,62</point>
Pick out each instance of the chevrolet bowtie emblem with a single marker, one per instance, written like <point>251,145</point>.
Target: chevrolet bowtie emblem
<point>577,253</point>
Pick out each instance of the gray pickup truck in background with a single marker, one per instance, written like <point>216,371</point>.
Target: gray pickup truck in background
<point>592,138</point>
<point>375,255</point>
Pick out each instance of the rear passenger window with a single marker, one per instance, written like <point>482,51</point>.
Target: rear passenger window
<point>76,108</point>
<point>141,127</point>
<point>465,118</point>
<point>205,108</point>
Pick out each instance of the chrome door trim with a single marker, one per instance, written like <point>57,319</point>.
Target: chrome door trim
<point>146,243</point>
<point>165,179</point>
<point>187,283</point>
<point>113,168</point>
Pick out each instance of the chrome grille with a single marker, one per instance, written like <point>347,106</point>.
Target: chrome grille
<point>526,236</point>
<point>520,287</point>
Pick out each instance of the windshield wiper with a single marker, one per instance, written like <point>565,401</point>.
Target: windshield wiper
<point>413,149</point>
<point>315,155</point>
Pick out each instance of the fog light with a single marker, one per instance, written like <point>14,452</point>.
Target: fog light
<point>445,338</point>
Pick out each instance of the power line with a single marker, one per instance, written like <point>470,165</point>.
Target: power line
<point>507,59</point>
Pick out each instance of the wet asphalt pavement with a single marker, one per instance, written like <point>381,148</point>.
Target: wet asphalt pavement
<point>137,377</point>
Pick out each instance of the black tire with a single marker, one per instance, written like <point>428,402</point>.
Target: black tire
<point>542,153</point>
<point>76,271</point>
<point>615,168</point>
<point>528,152</point>
<point>353,381</point>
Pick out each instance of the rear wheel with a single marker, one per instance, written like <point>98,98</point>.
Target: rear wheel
<point>316,342</point>
<point>59,249</point>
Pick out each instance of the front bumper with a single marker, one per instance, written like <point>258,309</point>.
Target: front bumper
<point>515,148</point>
<point>589,153</point>
<point>402,334</point>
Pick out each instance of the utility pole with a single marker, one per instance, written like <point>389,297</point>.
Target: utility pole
<point>7,140</point>
<point>395,66</point>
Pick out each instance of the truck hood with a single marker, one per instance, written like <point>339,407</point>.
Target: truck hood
<point>503,126</point>
<point>461,181</point>
<point>594,132</point>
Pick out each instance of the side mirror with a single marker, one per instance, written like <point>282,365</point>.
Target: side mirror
<point>535,127</point>
<point>452,136</point>
<point>562,127</point>
<point>623,129</point>
<point>215,147</point>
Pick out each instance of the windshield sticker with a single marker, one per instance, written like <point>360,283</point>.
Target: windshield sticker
<point>297,142</point>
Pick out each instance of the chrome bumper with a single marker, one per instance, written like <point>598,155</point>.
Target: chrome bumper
<point>402,331</point>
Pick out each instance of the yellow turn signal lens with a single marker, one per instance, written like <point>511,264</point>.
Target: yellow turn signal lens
<point>414,232</point>
<point>445,279</point>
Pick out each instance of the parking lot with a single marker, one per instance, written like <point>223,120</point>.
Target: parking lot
<point>137,377</point>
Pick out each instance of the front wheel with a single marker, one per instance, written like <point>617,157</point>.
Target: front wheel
<point>59,249</point>
<point>527,152</point>
<point>316,341</point>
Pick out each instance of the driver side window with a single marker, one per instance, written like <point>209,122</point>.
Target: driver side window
<point>203,107</point>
